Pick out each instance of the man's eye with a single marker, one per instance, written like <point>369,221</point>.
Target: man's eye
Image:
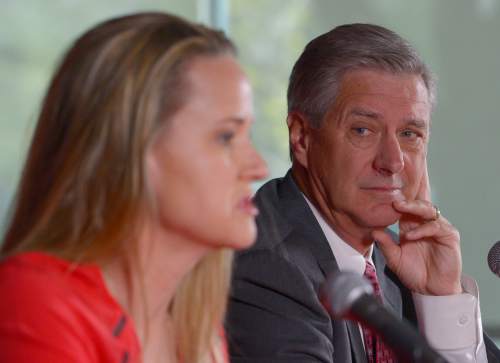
<point>409,134</point>
<point>361,131</point>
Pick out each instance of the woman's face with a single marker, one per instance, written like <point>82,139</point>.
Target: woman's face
<point>201,165</point>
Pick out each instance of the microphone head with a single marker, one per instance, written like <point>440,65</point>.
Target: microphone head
<point>494,258</point>
<point>341,289</point>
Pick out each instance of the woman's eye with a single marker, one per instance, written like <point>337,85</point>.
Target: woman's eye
<point>225,137</point>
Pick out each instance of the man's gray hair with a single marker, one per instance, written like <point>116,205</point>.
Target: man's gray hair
<point>316,76</point>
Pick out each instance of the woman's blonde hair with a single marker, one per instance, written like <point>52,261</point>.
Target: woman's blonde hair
<point>83,184</point>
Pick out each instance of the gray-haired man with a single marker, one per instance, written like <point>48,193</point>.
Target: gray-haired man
<point>359,108</point>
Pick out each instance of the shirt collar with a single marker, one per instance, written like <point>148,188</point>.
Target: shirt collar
<point>347,257</point>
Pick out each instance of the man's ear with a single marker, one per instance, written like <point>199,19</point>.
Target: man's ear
<point>299,137</point>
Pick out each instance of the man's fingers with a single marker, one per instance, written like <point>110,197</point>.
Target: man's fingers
<point>389,248</point>
<point>420,208</point>
<point>424,190</point>
<point>441,231</point>
<point>430,229</point>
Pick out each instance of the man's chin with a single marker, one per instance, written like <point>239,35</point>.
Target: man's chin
<point>383,218</point>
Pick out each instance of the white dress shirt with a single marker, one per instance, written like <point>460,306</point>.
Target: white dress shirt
<point>451,324</point>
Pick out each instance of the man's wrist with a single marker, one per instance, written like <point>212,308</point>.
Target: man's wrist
<point>452,321</point>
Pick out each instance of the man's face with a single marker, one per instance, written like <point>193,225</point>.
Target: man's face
<point>371,149</point>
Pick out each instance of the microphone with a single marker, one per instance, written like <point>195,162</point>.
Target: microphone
<point>347,295</point>
<point>494,258</point>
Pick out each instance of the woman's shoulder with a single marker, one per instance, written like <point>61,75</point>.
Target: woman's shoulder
<point>26,273</point>
<point>38,276</point>
<point>36,280</point>
<point>54,303</point>
<point>35,285</point>
<point>34,308</point>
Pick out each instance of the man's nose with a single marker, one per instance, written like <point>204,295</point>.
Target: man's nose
<point>389,159</point>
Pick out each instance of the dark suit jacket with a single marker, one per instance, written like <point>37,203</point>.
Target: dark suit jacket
<point>274,312</point>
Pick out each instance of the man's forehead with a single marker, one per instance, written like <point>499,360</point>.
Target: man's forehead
<point>398,118</point>
<point>369,82</point>
<point>383,108</point>
<point>363,112</point>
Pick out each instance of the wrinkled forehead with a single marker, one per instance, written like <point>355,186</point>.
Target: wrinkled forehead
<point>404,86</point>
<point>381,96</point>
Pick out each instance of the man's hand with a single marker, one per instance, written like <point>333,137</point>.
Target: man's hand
<point>427,259</point>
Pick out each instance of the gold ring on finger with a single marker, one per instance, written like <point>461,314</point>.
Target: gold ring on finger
<point>437,213</point>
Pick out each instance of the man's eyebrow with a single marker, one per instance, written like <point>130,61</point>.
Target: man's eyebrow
<point>362,112</point>
<point>418,123</point>
<point>357,111</point>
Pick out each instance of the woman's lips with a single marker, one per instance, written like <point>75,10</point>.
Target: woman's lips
<point>246,205</point>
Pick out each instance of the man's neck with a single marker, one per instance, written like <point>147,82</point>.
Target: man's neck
<point>357,237</point>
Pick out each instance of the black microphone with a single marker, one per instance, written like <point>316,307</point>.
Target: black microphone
<point>347,295</point>
<point>494,258</point>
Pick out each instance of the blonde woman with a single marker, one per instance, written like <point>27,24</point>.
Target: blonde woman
<point>135,190</point>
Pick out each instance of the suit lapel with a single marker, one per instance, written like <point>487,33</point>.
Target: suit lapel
<point>390,290</point>
<point>357,346</point>
<point>304,224</point>
<point>304,228</point>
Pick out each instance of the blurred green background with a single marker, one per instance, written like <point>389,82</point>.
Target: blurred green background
<point>457,38</point>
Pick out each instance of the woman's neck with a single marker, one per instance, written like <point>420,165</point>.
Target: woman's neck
<point>144,282</point>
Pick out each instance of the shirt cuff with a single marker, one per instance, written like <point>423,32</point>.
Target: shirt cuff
<point>453,321</point>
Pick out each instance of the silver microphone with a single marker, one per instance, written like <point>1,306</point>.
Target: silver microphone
<point>347,295</point>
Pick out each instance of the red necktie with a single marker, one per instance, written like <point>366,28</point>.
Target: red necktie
<point>376,350</point>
